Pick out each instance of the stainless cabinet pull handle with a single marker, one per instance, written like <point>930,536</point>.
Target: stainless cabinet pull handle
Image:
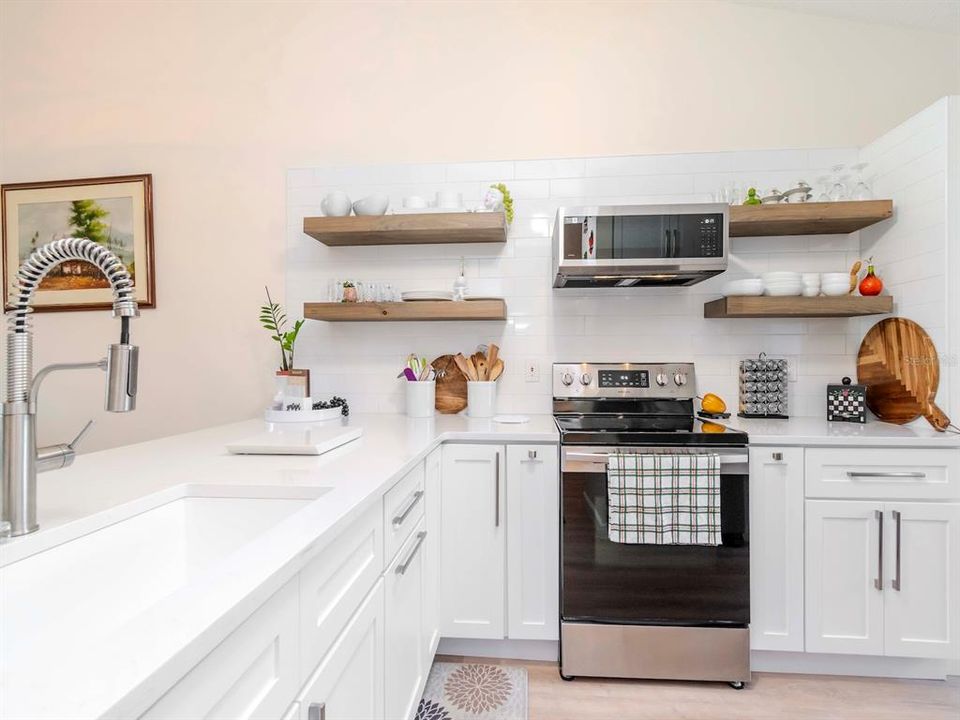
<point>878,581</point>
<point>896,577</point>
<point>402,568</point>
<point>778,456</point>
<point>317,711</point>
<point>857,474</point>
<point>414,499</point>
<point>496,494</point>
<point>532,454</point>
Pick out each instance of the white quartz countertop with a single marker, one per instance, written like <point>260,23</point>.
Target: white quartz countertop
<point>818,432</point>
<point>61,674</point>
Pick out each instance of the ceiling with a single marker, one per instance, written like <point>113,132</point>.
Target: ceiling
<point>938,15</point>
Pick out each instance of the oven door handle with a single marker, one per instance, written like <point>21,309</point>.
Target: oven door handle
<point>603,457</point>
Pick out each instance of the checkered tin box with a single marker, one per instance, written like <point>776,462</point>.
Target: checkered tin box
<point>847,402</point>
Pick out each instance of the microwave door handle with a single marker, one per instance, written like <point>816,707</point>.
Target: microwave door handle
<point>673,247</point>
<point>665,243</point>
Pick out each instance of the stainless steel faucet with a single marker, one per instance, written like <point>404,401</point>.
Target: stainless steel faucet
<point>21,458</point>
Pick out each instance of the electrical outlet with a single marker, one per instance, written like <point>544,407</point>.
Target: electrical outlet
<point>531,371</point>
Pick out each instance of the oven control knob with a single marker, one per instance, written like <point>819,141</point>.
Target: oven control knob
<point>680,379</point>
<point>586,379</point>
<point>566,378</point>
<point>661,379</point>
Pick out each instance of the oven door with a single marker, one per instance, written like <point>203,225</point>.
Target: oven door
<point>607,582</point>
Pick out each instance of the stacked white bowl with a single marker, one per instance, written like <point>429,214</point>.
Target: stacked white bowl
<point>782,284</point>
<point>835,284</point>
<point>811,284</point>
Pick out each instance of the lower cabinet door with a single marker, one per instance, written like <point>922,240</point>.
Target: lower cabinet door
<point>776,548</point>
<point>348,682</point>
<point>251,674</point>
<point>473,542</point>
<point>844,576</point>
<point>431,556</point>
<point>403,588</point>
<point>533,542</point>
<point>922,583</point>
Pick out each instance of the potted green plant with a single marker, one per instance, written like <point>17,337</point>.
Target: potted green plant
<point>293,384</point>
<point>349,291</point>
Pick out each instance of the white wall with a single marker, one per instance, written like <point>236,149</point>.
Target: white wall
<point>218,98</point>
<point>912,249</point>
<point>361,361</point>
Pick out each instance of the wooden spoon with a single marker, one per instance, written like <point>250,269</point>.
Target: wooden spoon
<point>497,370</point>
<point>492,352</point>
<point>482,369</point>
<point>461,362</point>
<point>471,369</point>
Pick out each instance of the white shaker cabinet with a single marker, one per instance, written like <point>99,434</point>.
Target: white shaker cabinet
<point>404,644</point>
<point>776,548</point>
<point>431,555</point>
<point>844,577</point>
<point>472,542</point>
<point>533,542</point>
<point>348,683</point>
<point>922,579</point>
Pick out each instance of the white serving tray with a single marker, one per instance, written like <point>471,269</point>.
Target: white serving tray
<point>299,439</point>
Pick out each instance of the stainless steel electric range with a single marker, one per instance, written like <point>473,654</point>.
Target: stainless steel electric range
<point>647,610</point>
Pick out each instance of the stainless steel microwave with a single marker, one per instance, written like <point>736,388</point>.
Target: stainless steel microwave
<point>632,245</point>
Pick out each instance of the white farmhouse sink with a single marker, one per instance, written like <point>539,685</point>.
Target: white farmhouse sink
<point>100,580</point>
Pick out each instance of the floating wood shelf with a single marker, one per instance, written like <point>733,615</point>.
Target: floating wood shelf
<point>400,311</point>
<point>827,218</point>
<point>797,307</point>
<point>415,229</point>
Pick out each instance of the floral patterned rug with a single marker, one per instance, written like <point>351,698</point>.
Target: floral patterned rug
<point>458,691</point>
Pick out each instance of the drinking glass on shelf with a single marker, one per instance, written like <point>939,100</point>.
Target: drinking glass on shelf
<point>861,191</point>
<point>838,191</point>
<point>825,185</point>
<point>335,291</point>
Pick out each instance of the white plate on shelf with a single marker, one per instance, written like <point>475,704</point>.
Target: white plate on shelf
<point>426,211</point>
<point>413,295</point>
<point>742,288</point>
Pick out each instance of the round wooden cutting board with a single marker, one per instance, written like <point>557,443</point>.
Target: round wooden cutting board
<point>899,365</point>
<point>451,387</point>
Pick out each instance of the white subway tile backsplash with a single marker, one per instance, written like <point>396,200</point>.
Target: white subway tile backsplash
<point>550,325</point>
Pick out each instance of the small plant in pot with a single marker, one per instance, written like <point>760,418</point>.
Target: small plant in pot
<point>295,383</point>
<point>349,292</point>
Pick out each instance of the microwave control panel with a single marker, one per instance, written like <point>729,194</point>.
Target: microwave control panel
<point>711,236</point>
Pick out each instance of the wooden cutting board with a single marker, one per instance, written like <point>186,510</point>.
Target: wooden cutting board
<point>899,365</point>
<point>451,388</point>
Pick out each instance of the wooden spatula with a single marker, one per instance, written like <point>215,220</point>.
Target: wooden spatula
<point>492,353</point>
<point>461,362</point>
<point>496,370</point>
<point>471,369</point>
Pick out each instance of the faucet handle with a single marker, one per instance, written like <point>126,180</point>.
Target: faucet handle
<point>80,435</point>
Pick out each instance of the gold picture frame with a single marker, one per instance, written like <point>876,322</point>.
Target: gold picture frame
<point>115,211</point>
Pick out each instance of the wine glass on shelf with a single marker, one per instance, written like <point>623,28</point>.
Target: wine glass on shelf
<point>825,185</point>
<point>838,191</point>
<point>862,191</point>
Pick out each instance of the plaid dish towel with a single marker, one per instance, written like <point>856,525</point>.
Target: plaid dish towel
<point>668,499</point>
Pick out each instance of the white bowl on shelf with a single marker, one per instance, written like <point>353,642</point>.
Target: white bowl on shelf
<point>745,288</point>
<point>773,278</point>
<point>783,289</point>
<point>835,278</point>
<point>376,204</point>
<point>835,290</point>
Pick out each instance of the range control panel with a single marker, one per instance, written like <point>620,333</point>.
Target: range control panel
<point>624,380</point>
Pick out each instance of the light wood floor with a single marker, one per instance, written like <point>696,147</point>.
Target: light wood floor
<point>771,696</point>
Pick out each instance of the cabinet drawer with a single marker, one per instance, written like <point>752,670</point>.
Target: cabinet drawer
<point>251,674</point>
<point>334,583</point>
<point>402,510</point>
<point>920,474</point>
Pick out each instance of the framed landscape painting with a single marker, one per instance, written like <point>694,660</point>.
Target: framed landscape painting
<point>116,212</point>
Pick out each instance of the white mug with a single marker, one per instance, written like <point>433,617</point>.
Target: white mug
<point>414,202</point>
<point>449,200</point>
<point>336,204</point>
